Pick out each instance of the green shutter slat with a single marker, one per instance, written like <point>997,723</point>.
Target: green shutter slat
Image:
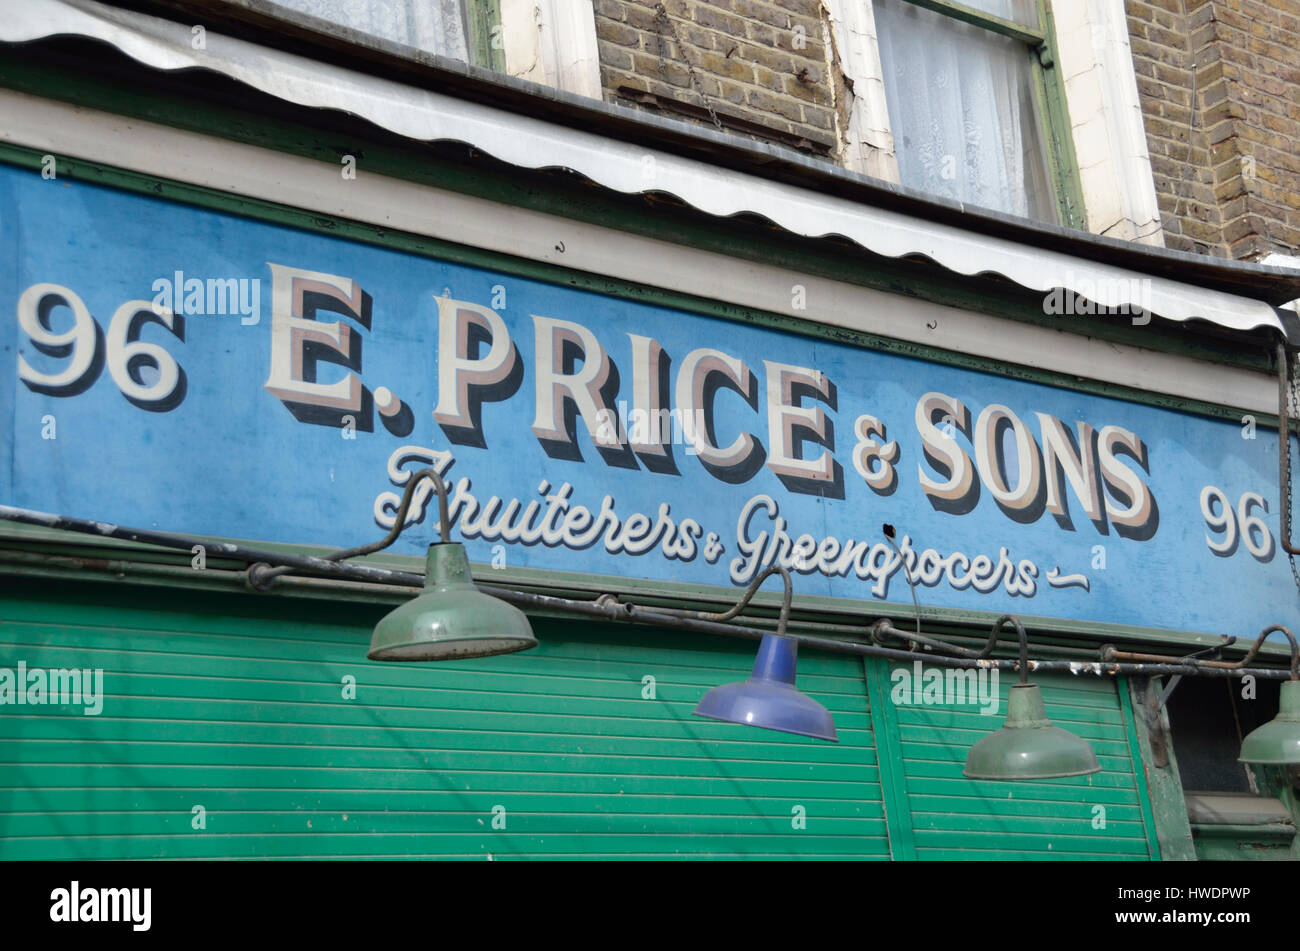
<point>423,822</point>
<point>925,746</point>
<point>162,652</point>
<point>1080,823</point>
<point>36,730</point>
<point>484,721</point>
<point>1110,776</point>
<point>501,845</point>
<point>557,780</point>
<point>94,799</point>
<point>973,853</point>
<point>929,719</point>
<point>442,761</point>
<point>1041,792</point>
<point>955,806</point>
<point>952,844</point>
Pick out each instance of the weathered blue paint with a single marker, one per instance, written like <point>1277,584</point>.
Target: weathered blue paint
<point>221,454</point>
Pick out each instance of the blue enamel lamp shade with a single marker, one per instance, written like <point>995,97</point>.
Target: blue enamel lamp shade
<point>451,618</point>
<point>768,699</point>
<point>1278,740</point>
<point>1028,746</point>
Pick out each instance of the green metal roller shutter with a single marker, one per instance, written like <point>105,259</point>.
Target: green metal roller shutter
<point>946,816</point>
<point>235,703</point>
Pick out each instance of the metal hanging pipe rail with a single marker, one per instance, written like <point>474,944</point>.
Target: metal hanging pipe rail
<point>241,552</point>
<point>885,628</point>
<point>609,608</point>
<point>1109,652</point>
<point>734,611</point>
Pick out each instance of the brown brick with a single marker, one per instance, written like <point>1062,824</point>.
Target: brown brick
<point>724,90</point>
<point>732,67</point>
<point>1239,228</point>
<point>615,32</point>
<point>769,36</point>
<point>771,102</point>
<point>645,18</point>
<point>809,89</point>
<point>709,16</point>
<point>666,70</point>
<point>819,118</point>
<point>615,58</point>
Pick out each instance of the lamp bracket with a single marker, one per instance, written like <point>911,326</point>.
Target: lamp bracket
<point>1208,653</point>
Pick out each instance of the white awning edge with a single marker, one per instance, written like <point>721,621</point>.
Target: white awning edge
<point>531,143</point>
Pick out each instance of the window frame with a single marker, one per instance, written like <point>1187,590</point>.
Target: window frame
<point>1049,97</point>
<point>482,16</point>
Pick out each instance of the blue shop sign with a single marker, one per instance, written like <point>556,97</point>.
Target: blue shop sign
<point>181,369</point>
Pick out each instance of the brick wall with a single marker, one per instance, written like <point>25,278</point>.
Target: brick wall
<point>759,64</point>
<point>1220,87</point>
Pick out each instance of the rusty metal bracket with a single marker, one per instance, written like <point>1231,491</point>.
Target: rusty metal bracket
<point>1156,733</point>
<point>1209,653</point>
<point>1154,701</point>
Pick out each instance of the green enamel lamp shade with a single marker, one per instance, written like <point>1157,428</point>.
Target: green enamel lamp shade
<point>1028,746</point>
<point>1278,740</point>
<point>451,618</point>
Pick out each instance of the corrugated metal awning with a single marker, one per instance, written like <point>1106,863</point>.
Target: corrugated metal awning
<point>533,143</point>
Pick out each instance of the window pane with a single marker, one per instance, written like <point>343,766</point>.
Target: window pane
<point>962,111</point>
<point>1024,12</point>
<point>434,26</point>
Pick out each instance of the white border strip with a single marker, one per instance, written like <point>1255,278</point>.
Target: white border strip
<point>225,166</point>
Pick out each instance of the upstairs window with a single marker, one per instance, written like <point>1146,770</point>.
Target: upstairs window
<point>465,30</point>
<point>976,112</point>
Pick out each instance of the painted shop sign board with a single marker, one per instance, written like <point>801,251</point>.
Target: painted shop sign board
<point>175,368</point>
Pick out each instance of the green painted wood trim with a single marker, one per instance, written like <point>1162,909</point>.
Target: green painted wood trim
<point>1281,833</point>
<point>1139,763</point>
<point>1164,807</point>
<point>1050,93</point>
<point>1274,781</point>
<point>484,16</point>
<point>1214,849</point>
<point>633,214</point>
<point>996,24</point>
<point>1291,800</point>
<point>889,760</point>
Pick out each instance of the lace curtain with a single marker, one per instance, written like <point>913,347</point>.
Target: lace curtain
<point>435,26</point>
<point>961,108</point>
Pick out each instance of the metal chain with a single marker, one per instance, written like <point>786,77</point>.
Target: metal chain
<point>661,16</point>
<point>1294,402</point>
